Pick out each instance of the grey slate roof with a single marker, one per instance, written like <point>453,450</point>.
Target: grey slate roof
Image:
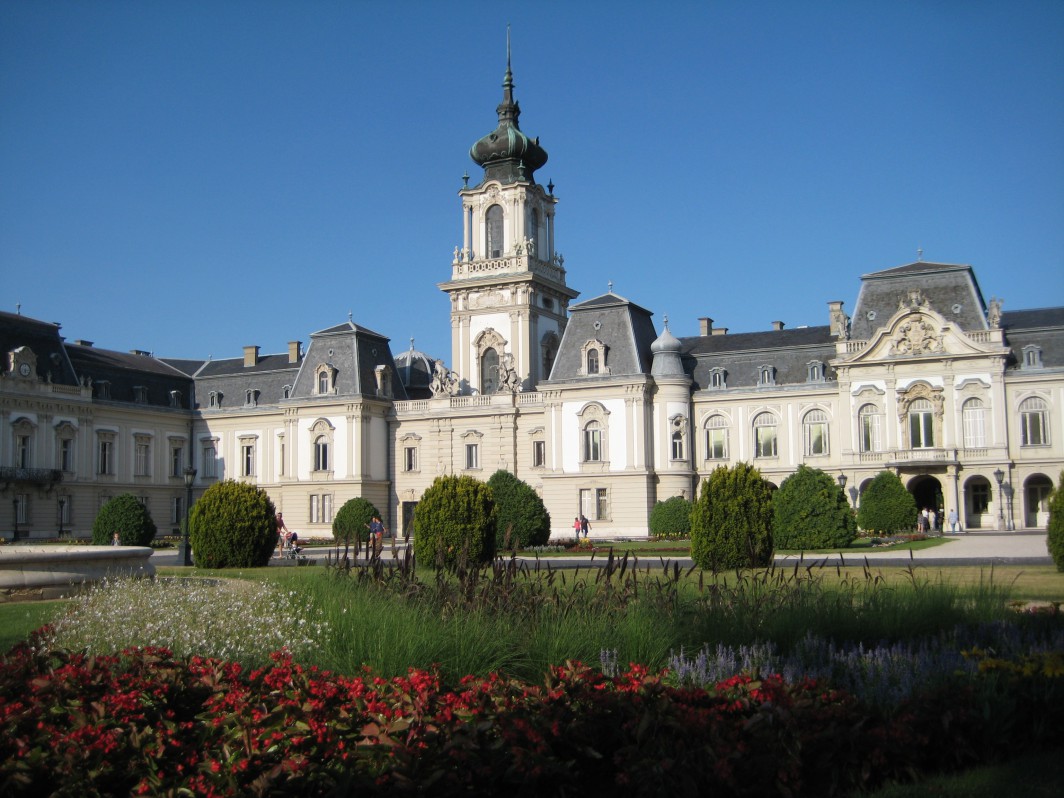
<point>950,288</point>
<point>43,338</point>
<point>1043,327</point>
<point>742,354</point>
<point>624,327</point>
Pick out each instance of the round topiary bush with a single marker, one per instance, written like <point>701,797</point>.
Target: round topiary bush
<point>671,518</point>
<point>810,511</point>
<point>455,520</point>
<point>1055,540</point>
<point>521,519</point>
<point>731,523</point>
<point>233,525</point>
<point>125,515</point>
<point>886,506</point>
<point>351,524</point>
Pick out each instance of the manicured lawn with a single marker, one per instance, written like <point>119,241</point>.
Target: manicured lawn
<point>18,619</point>
<point>1038,775</point>
<point>682,548</point>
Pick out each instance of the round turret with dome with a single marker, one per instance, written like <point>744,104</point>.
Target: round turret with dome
<point>666,351</point>
<point>507,154</point>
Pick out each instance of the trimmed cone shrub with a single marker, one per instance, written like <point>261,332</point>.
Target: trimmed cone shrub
<point>455,520</point>
<point>128,517</point>
<point>521,519</point>
<point>810,511</point>
<point>731,523</point>
<point>1055,541</point>
<point>886,506</point>
<point>671,518</point>
<point>351,523</point>
<point>233,525</point>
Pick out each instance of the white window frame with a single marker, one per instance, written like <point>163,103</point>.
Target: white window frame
<point>716,427</point>
<point>921,424</point>
<point>1034,422</point>
<point>973,420</point>
<point>813,421</point>
<point>766,444</point>
<point>870,428</point>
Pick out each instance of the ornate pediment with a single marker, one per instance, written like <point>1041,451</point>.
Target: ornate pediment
<point>916,336</point>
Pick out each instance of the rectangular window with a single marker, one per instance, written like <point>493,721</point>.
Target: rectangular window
<point>677,446</point>
<point>22,451</point>
<point>816,438</point>
<point>602,508</point>
<point>177,460</point>
<point>142,459</point>
<point>210,461</point>
<point>921,430</point>
<point>592,443</point>
<point>472,455</point>
<point>539,454</point>
<point>22,512</point>
<point>314,517</point>
<point>764,441</point>
<point>587,503</point>
<point>326,508</point>
<point>716,444</point>
<point>1033,429</point>
<point>64,509</point>
<point>980,497</point>
<point>247,459</point>
<point>66,455</point>
<point>410,458</point>
<point>106,461</point>
<point>321,455</point>
<point>176,510</point>
<point>870,441</point>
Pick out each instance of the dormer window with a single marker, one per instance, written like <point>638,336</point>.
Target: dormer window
<point>593,358</point>
<point>1032,357</point>
<point>251,398</point>
<point>815,371</point>
<point>325,380</point>
<point>103,389</point>
<point>214,399</point>
<point>717,379</point>
<point>140,394</point>
<point>286,392</point>
<point>175,398</point>
<point>766,375</point>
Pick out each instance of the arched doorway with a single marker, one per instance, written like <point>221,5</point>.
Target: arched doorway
<point>1036,490</point>
<point>927,491</point>
<point>978,501</point>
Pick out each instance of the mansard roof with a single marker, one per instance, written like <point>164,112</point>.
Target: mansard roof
<point>623,327</point>
<point>43,339</point>
<point>741,355</point>
<point>126,371</point>
<point>1041,327</point>
<point>951,289</point>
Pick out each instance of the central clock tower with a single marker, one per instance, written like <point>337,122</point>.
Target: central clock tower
<point>509,300</point>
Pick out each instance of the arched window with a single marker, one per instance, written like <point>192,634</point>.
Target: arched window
<point>815,433</point>
<point>765,436</point>
<point>717,438</point>
<point>677,445</point>
<point>1034,422</point>
<point>592,361</point>
<point>973,416</point>
<point>321,453</point>
<point>921,425</point>
<point>323,381</point>
<point>592,442</point>
<point>870,422</point>
<point>494,246</point>
<point>489,371</point>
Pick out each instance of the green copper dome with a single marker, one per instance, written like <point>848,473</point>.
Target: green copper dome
<point>507,154</point>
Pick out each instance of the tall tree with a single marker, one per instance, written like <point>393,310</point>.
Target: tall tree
<point>886,506</point>
<point>521,518</point>
<point>810,511</point>
<point>731,523</point>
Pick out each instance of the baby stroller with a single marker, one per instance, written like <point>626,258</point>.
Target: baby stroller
<point>291,550</point>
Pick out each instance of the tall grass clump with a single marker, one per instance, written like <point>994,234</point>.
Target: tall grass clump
<point>232,619</point>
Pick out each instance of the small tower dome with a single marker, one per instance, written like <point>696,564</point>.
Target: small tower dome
<point>414,369</point>
<point>666,351</point>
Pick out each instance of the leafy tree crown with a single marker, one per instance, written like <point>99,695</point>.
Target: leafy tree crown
<point>521,517</point>
<point>351,522</point>
<point>810,511</point>
<point>125,515</point>
<point>455,519</point>
<point>731,523</point>
<point>233,525</point>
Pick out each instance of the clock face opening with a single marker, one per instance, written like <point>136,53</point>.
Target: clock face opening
<point>24,369</point>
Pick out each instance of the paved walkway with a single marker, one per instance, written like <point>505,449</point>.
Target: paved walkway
<point>1023,547</point>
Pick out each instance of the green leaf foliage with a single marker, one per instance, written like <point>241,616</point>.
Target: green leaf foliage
<point>521,518</point>
<point>455,520</point>
<point>671,518</point>
<point>128,517</point>
<point>731,523</point>
<point>352,521</point>
<point>1055,541</point>
<point>886,506</point>
<point>233,525</point>
<point>810,511</point>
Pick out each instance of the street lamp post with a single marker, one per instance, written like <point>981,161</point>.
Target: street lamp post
<point>999,475</point>
<point>186,551</point>
<point>842,483</point>
<point>14,507</point>
<point>62,512</point>
<point>1009,525</point>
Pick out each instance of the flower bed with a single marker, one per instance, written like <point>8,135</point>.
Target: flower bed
<point>145,722</point>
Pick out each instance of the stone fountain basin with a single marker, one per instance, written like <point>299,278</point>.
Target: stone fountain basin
<point>56,571</point>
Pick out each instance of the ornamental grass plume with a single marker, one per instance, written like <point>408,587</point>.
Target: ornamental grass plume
<point>235,620</point>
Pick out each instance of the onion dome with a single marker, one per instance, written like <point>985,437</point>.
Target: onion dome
<point>666,351</point>
<point>507,154</point>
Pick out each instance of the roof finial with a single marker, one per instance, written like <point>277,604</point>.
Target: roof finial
<point>919,255</point>
<point>609,286</point>
<point>349,316</point>
<point>411,343</point>
<point>666,318</point>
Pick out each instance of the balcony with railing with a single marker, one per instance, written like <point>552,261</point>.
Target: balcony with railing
<point>42,477</point>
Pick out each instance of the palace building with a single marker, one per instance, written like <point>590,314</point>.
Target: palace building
<point>602,412</point>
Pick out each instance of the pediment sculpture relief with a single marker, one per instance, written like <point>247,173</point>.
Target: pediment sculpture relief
<point>916,337</point>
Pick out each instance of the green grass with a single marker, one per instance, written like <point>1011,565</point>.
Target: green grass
<point>1038,775</point>
<point>18,619</point>
<point>682,548</point>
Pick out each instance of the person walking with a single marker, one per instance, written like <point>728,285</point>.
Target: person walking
<point>952,519</point>
<point>585,527</point>
<point>282,534</point>
<point>577,528</point>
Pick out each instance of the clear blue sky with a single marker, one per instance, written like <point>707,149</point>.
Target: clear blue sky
<point>192,177</point>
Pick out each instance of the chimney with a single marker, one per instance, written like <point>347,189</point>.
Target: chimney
<point>251,356</point>
<point>705,326</point>
<point>719,331</point>
<point>777,325</point>
<point>294,352</point>
<point>82,342</point>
